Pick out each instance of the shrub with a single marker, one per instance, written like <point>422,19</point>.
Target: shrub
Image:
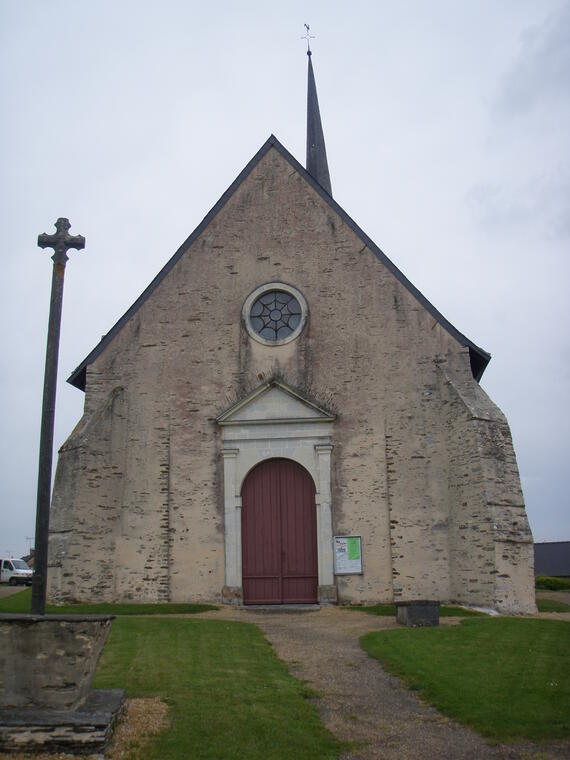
<point>552,584</point>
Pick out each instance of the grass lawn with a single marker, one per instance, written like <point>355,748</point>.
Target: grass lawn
<point>507,678</point>
<point>229,696</point>
<point>389,610</point>
<point>550,605</point>
<point>21,602</point>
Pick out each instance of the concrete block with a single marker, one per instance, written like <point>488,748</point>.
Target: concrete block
<point>418,613</point>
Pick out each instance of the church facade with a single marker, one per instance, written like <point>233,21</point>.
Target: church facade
<point>282,417</point>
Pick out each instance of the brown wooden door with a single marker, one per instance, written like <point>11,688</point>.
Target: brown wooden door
<point>279,535</point>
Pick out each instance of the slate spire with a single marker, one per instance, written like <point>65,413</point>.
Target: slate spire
<point>317,165</point>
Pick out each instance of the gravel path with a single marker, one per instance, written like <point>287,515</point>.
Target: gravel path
<point>7,590</point>
<point>556,596</point>
<point>358,701</point>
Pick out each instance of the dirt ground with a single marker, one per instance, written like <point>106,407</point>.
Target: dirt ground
<point>557,596</point>
<point>6,590</point>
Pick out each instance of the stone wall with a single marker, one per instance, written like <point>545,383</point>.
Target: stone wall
<point>140,484</point>
<point>88,499</point>
<point>490,540</point>
<point>48,661</point>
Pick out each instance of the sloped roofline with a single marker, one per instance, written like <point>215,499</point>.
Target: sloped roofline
<point>479,358</point>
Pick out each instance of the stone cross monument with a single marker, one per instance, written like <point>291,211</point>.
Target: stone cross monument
<point>61,242</point>
<point>47,662</point>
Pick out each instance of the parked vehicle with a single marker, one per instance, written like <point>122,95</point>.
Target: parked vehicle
<point>15,571</point>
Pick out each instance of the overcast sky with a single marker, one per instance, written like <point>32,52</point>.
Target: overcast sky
<point>448,134</point>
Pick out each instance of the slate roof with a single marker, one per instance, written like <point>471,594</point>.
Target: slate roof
<point>552,558</point>
<point>479,358</point>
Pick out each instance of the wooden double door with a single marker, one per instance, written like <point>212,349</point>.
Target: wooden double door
<point>279,535</point>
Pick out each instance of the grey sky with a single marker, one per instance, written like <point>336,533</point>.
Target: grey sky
<point>447,136</point>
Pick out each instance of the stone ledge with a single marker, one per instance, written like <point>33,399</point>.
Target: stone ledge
<point>280,608</point>
<point>83,731</point>
<point>22,617</point>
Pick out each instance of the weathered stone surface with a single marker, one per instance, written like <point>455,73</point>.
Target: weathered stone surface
<point>49,661</point>
<point>328,594</point>
<point>417,614</point>
<point>422,464</point>
<point>83,731</point>
<point>232,595</point>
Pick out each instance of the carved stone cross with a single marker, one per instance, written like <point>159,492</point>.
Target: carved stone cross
<point>61,242</point>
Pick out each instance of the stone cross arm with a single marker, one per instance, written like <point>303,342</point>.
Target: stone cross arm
<point>62,241</point>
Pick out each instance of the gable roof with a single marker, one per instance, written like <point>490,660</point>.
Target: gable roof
<point>479,358</point>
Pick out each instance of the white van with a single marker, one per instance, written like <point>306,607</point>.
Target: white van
<point>14,571</point>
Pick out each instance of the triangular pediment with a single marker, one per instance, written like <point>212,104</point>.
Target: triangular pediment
<point>274,402</point>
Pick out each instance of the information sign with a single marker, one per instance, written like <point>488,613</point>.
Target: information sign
<point>347,555</point>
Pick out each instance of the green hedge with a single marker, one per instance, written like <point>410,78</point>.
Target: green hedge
<point>552,584</point>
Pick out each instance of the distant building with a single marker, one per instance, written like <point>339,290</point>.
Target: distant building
<point>29,558</point>
<point>552,558</point>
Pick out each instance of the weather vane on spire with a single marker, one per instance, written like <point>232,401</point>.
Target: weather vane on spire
<point>308,37</point>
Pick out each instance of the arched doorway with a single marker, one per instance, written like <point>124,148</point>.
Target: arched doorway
<point>279,535</point>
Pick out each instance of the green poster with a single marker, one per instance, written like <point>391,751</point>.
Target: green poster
<point>353,547</point>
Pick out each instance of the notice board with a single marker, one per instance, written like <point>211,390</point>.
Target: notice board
<point>347,555</point>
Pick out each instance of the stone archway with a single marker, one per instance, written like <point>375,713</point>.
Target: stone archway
<point>276,422</point>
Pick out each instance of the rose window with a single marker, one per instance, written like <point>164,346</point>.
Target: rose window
<point>275,315</point>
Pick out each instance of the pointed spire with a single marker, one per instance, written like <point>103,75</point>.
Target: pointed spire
<point>317,165</point>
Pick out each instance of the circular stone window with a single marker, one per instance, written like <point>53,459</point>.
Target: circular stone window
<point>275,313</point>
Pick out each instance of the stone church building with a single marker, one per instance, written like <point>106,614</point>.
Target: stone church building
<point>282,417</point>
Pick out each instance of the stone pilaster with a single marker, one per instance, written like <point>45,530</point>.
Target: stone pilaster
<point>327,588</point>
<point>232,593</point>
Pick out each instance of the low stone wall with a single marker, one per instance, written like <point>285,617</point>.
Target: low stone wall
<point>49,661</point>
<point>87,730</point>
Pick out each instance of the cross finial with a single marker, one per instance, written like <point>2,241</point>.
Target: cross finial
<point>61,242</point>
<point>307,36</point>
